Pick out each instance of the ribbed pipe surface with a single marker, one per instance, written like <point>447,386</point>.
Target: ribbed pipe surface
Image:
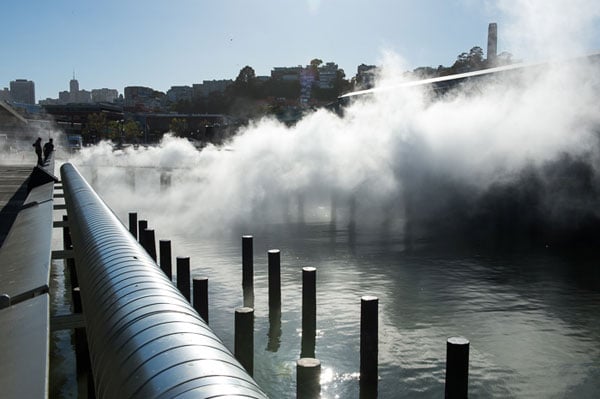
<point>144,338</point>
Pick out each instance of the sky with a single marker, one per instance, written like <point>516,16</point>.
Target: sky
<point>159,44</point>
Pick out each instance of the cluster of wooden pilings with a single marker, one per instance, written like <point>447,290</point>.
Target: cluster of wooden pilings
<point>308,368</point>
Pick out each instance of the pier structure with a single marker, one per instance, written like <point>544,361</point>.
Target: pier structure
<point>142,336</point>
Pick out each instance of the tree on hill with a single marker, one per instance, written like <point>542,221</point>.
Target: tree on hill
<point>471,61</point>
<point>245,83</point>
<point>315,63</point>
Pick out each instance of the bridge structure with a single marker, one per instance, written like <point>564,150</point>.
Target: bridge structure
<point>142,336</point>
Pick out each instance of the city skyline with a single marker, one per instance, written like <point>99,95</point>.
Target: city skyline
<point>114,44</point>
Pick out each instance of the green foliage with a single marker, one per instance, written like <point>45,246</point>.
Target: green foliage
<point>114,130</point>
<point>245,84</point>
<point>131,131</point>
<point>95,127</point>
<point>179,127</point>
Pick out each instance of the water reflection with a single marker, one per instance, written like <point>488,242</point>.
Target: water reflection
<point>274,341</point>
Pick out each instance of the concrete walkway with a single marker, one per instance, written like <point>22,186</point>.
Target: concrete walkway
<point>13,191</point>
<point>26,204</point>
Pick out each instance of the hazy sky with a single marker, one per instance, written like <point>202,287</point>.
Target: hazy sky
<point>159,43</point>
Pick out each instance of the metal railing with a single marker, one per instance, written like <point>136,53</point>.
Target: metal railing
<point>144,338</point>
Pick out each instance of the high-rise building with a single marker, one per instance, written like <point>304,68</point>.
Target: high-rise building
<point>365,76</point>
<point>76,95</point>
<point>328,74</point>
<point>73,85</point>
<point>22,91</point>
<point>286,73</point>
<point>104,95</point>
<point>210,86</point>
<point>5,94</point>
<point>179,93</point>
<point>143,98</point>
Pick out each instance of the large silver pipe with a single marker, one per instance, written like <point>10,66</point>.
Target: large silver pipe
<point>144,338</point>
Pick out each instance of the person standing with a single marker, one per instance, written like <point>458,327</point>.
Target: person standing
<point>38,150</point>
<point>48,148</point>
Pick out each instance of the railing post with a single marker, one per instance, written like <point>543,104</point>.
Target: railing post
<point>200,288</point>
<point>457,368</point>
<point>244,338</point>
<point>183,276</point>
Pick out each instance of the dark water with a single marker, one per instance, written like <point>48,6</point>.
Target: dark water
<point>532,317</point>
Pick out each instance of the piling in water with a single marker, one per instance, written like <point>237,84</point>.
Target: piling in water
<point>133,224</point>
<point>142,226</point>
<point>369,347</point>
<point>274,266</point>
<point>244,338</point>
<point>149,243</point>
<point>247,261</point>
<point>166,266</point>
<point>4,301</point>
<point>183,276</point>
<point>308,378</point>
<point>248,292</point>
<point>457,368</point>
<point>274,336</point>
<point>200,288</point>
<point>309,311</point>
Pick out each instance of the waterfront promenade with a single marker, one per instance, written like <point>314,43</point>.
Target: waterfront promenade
<point>26,200</point>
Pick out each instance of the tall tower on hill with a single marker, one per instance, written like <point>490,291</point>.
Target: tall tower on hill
<point>492,47</point>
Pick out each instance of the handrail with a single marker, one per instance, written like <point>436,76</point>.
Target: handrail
<point>144,338</point>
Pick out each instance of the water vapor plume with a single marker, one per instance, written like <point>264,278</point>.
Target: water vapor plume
<point>511,157</point>
<point>538,29</point>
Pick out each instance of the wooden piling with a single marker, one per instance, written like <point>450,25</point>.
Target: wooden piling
<point>308,378</point>
<point>164,247</point>
<point>149,243</point>
<point>200,288</point>
<point>369,347</point>
<point>274,266</point>
<point>133,224</point>
<point>244,338</point>
<point>183,276</point>
<point>247,261</point>
<point>457,368</point>
<point>4,301</point>
<point>274,335</point>
<point>248,292</point>
<point>309,311</point>
<point>142,225</point>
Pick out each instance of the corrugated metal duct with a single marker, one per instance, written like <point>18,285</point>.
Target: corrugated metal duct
<point>145,340</point>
